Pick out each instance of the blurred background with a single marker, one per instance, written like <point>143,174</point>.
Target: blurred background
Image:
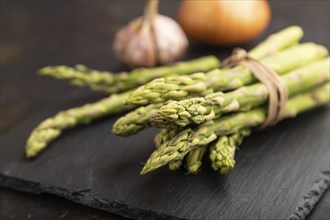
<point>41,33</point>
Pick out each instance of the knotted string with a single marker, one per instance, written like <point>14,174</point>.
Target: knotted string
<point>278,91</point>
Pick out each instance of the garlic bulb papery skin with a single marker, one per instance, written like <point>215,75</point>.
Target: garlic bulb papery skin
<point>150,40</point>
<point>170,39</point>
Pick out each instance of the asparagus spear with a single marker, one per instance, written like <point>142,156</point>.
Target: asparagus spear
<point>52,127</point>
<point>199,109</point>
<point>194,159</point>
<point>113,83</point>
<point>175,164</point>
<point>201,84</point>
<point>135,120</point>
<point>222,152</point>
<point>163,136</point>
<point>190,139</point>
<point>278,41</point>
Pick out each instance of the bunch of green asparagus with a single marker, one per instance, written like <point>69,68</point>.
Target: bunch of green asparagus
<point>214,111</point>
<point>199,107</point>
<point>108,82</point>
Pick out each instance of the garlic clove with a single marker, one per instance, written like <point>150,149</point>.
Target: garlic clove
<point>170,39</point>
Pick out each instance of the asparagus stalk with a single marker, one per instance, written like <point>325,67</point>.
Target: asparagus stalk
<point>201,84</point>
<point>198,110</point>
<point>113,83</point>
<point>51,128</point>
<point>190,139</point>
<point>222,152</point>
<point>278,41</point>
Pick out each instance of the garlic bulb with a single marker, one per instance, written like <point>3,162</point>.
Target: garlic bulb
<point>150,40</point>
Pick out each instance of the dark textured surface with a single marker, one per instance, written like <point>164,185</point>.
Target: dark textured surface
<point>322,209</point>
<point>311,198</point>
<point>276,168</point>
<point>18,206</point>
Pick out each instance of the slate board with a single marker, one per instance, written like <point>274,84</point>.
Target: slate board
<point>280,172</point>
<point>276,169</point>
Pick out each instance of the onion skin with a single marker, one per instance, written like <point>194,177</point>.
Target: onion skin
<point>224,23</point>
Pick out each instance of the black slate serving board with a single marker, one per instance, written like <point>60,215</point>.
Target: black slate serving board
<point>280,172</point>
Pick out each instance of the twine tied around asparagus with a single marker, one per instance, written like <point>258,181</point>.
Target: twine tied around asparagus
<point>278,91</point>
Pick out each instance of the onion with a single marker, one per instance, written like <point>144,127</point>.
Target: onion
<point>224,22</point>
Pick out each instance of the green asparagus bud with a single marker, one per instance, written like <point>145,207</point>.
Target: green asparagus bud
<point>222,153</point>
<point>135,120</point>
<point>194,159</point>
<point>175,164</point>
<point>163,136</point>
